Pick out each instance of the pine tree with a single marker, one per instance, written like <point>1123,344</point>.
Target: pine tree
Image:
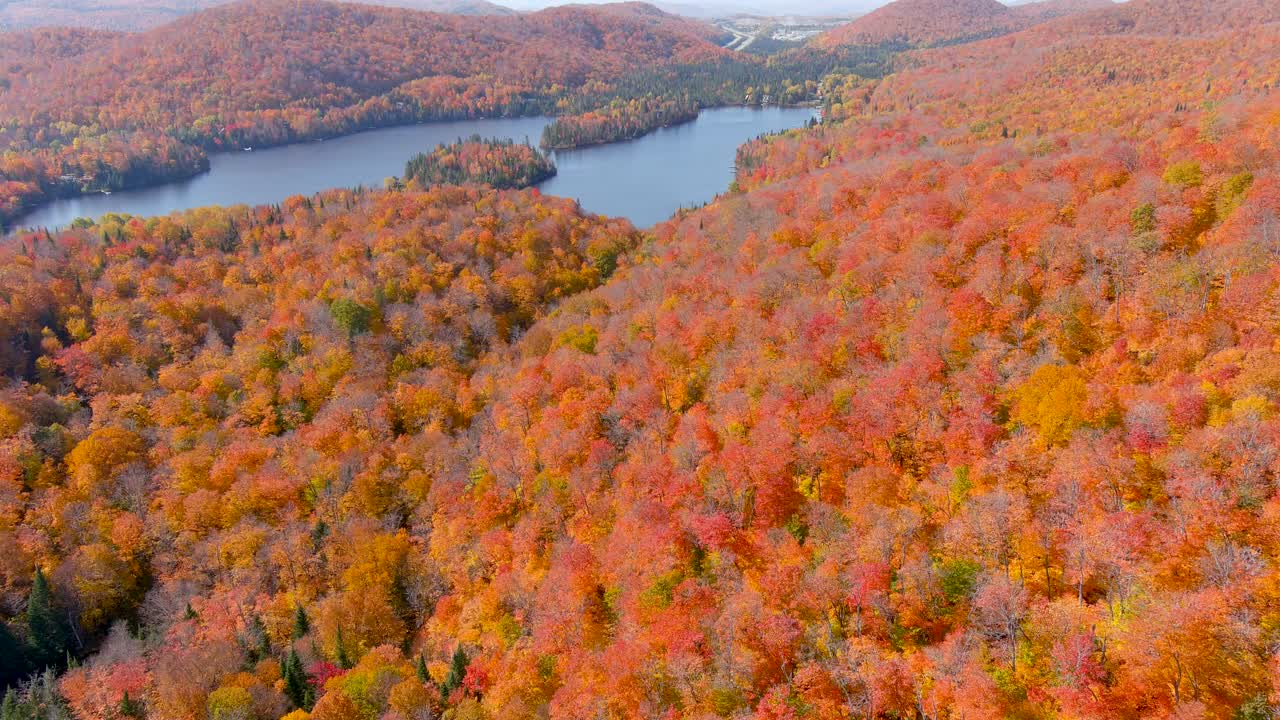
<point>318,533</point>
<point>421,669</point>
<point>344,660</point>
<point>457,671</point>
<point>301,625</point>
<point>46,634</point>
<point>9,708</point>
<point>42,700</point>
<point>261,647</point>
<point>129,707</point>
<point>297,686</point>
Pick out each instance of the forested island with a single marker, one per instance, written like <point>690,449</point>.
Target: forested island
<point>502,164</point>
<point>619,120</point>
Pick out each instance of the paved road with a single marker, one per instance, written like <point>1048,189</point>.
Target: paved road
<point>741,41</point>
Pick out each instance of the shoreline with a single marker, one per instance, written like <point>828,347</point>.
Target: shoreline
<point>17,224</point>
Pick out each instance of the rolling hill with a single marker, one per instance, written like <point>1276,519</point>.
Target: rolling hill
<point>272,54</point>
<point>134,15</point>
<point>926,23</point>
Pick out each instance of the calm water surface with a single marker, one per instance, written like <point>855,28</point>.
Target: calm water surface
<point>644,180</point>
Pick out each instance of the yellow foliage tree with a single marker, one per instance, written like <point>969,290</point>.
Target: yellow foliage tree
<point>1053,402</point>
<point>97,458</point>
<point>335,705</point>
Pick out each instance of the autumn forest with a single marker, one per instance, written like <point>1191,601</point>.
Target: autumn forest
<point>961,403</point>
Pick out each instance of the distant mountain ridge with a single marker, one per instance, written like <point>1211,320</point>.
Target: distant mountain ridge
<point>453,7</point>
<point>23,50</point>
<point>136,15</point>
<point>290,48</point>
<point>924,23</point>
<point>1178,17</point>
<point>1048,9</point>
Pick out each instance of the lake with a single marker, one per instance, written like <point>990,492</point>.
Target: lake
<point>644,180</point>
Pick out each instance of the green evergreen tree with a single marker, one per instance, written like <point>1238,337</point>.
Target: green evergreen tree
<point>344,660</point>
<point>421,669</point>
<point>297,686</point>
<point>261,644</point>
<point>46,633</point>
<point>129,707</point>
<point>301,625</point>
<point>9,708</point>
<point>352,317</point>
<point>318,533</point>
<point>40,699</point>
<point>457,671</point>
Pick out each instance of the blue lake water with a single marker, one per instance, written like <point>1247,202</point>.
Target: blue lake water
<point>644,180</point>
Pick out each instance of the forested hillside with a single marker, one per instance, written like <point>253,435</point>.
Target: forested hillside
<point>924,22</point>
<point>134,15</point>
<point>965,404</point>
<point>370,313</point>
<point>32,51</point>
<point>928,23</point>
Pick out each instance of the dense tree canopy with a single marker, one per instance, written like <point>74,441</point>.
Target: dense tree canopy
<point>619,120</point>
<point>965,404</point>
<point>929,23</point>
<point>135,15</point>
<point>501,164</point>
